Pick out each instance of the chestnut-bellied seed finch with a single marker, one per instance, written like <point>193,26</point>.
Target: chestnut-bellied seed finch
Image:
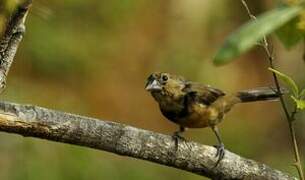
<point>194,105</point>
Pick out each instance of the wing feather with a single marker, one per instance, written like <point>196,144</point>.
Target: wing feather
<point>202,93</point>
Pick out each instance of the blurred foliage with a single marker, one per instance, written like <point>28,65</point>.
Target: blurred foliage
<point>252,33</point>
<point>6,8</point>
<point>296,94</point>
<point>289,34</point>
<point>93,57</point>
<point>288,81</point>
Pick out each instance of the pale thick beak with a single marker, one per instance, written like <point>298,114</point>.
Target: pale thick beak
<point>153,86</point>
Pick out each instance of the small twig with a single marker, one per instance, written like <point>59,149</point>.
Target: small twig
<point>303,50</point>
<point>129,141</point>
<point>293,113</point>
<point>248,10</point>
<point>290,117</point>
<point>10,40</point>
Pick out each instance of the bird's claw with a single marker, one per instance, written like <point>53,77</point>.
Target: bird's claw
<point>220,153</point>
<point>176,136</point>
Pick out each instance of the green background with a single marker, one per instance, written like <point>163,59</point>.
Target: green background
<point>93,57</point>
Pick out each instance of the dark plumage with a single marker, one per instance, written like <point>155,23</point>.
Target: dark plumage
<point>194,105</point>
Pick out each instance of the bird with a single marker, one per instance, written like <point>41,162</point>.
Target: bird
<point>195,105</point>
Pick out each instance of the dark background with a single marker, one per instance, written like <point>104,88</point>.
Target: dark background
<point>93,57</point>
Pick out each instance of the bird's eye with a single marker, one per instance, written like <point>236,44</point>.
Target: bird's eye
<point>164,77</point>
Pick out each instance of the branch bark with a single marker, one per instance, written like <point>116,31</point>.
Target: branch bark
<point>28,120</point>
<point>10,40</point>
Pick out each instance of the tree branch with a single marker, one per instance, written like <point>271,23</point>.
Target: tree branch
<point>10,40</point>
<point>28,120</point>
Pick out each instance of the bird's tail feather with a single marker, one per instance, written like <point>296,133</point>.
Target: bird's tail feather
<point>260,94</point>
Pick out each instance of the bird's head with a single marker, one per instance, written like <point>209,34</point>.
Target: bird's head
<point>165,84</point>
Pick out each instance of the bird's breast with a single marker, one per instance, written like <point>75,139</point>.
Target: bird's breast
<point>191,114</point>
<point>199,116</point>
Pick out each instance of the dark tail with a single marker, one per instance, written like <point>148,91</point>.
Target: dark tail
<point>260,94</point>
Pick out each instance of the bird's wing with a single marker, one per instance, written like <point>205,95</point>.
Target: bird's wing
<point>202,93</point>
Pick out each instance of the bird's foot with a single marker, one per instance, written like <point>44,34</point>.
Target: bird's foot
<point>177,136</point>
<point>220,153</point>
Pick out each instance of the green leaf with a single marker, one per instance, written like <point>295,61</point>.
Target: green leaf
<point>302,94</point>
<point>289,34</point>
<point>299,102</point>
<point>254,31</point>
<point>288,81</point>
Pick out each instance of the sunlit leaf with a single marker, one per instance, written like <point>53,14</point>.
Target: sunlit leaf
<point>254,31</point>
<point>302,94</point>
<point>288,81</point>
<point>299,102</point>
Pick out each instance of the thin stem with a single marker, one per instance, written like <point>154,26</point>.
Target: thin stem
<point>290,117</point>
<point>304,50</point>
